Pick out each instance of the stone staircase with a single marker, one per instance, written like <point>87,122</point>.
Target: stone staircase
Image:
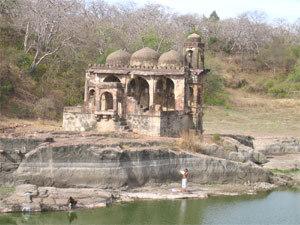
<point>123,126</point>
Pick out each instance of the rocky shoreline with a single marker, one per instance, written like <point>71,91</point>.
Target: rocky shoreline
<point>30,198</point>
<point>100,169</point>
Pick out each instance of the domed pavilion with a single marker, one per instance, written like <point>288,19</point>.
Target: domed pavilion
<point>144,92</point>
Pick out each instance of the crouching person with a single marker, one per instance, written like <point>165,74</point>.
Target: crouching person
<point>72,203</point>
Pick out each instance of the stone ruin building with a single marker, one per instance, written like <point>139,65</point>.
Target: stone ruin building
<point>147,93</point>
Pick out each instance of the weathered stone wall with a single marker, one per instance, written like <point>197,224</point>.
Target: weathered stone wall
<point>111,167</point>
<point>168,123</point>
<point>145,124</point>
<point>174,123</point>
<point>76,120</point>
<point>106,125</point>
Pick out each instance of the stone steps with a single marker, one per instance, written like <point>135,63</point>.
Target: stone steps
<point>123,126</point>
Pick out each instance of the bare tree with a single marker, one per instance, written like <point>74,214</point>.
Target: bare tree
<point>48,26</point>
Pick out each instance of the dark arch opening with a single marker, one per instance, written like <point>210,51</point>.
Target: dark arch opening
<point>111,78</point>
<point>106,101</point>
<point>138,88</point>
<point>91,93</point>
<point>164,93</point>
<point>91,99</point>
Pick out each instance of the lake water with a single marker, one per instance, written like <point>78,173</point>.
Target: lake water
<point>278,207</point>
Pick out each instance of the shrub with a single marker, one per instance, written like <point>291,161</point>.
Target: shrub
<point>216,138</point>
<point>20,110</point>
<point>190,141</point>
<point>6,84</point>
<point>45,108</point>
<point>23,61</point>
<point>214,93</point>
<point>283,86</point>
<point>295,76</point>
<point>279,90</point>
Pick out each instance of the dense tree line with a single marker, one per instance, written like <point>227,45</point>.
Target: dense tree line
<point>53,41</point>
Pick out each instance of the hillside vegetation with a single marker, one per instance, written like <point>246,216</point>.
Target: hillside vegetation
<point>46,46</point>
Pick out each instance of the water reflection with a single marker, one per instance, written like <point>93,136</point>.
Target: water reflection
<point>182,211</point>
<point>276,208</point>
<point>72,216</point>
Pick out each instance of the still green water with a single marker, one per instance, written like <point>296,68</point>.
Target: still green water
<point>279,207</point>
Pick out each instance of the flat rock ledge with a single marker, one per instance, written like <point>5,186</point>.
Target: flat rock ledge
<point>30,198</point>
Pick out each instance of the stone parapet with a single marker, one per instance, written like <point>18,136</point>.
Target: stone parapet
<point>77,121</point>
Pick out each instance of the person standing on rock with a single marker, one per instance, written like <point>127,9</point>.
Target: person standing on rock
<point>185,174</point>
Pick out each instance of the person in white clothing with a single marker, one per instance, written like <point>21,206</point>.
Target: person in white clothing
<point>185,175</point>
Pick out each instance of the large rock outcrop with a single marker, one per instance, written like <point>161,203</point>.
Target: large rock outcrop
<point>232,149</point>
<point>282,146</point>
<point>12,152</point>
<point>127,164</point>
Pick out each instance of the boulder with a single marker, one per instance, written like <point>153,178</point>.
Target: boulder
<point>259,158</point>
<point>252,155</point>
<point>230,144</point>
<point>214,150</point>
<point>242,139</point>
<point>285,146</point>
<point>25,189</point>
<point>237,156</point>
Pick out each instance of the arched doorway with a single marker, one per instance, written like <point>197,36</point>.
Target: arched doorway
<point>138,88</point>
<point>106,101</point>
<point>164,93</point>
<point>91,99</point>
<point>111,78</point>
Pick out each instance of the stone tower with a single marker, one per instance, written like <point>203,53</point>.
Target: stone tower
<point>194,60</point>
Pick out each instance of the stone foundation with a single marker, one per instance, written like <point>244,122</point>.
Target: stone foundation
<point>169,123</point>
<point>166,123</point>
<point>75,120</point>
<point>106,125</point>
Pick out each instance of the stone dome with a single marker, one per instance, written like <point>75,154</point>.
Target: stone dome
<point>170,58</point>
<point>144,57</point>
<point>194,37</point>
<point>119,57</point>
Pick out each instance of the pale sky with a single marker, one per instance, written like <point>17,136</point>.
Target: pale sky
<point>286,9</point>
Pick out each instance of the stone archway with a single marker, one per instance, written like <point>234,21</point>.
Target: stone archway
<point>106,101</point>
<point>138,88</point>
<point>164,93</point>
<point>92,99</point>
<point>111,78</point>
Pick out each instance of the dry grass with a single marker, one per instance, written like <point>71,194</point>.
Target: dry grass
<point>254,115</point>
<point>13,125</point>
<point>190,141</point>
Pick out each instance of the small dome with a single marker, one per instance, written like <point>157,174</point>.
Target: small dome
<point>170,58</point>
<point>144,57</point>
<point>119,58</point>
<point>194,37</point>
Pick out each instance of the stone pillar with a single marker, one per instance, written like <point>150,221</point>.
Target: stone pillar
<point>97,99</point>
<point>86,88</point>
<point>179,92</point>
<point>195,100</point>
<point>123,80</point>
<point>115,104</point>
<point>152,84</point>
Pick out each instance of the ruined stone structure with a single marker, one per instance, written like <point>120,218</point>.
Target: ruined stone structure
<point>148,93</point>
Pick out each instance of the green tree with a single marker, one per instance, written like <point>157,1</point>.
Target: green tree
<point>214,16</point>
